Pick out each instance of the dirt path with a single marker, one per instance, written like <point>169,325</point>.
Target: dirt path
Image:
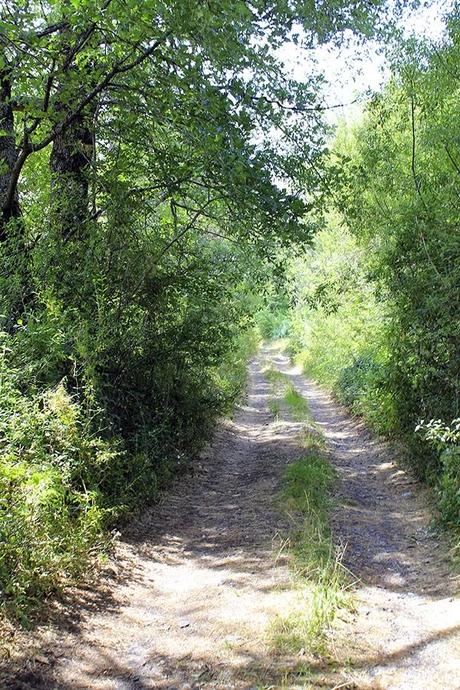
<point>198,582</point>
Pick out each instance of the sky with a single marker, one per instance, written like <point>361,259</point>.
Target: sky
<point>354,69</point>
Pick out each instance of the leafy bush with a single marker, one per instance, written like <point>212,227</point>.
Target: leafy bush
<point>363,386</point>
<point>95,420</point>
<point>48,532</point>
<point>273,323</point>
<point>376,311</point>
<point>339,327</point>
<point>445,439</point>
<point>50,513</point>
<point>231,375</point>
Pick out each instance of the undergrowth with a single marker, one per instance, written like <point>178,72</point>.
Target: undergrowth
<point>66,478</point>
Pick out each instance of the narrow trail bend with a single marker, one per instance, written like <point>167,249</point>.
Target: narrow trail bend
<point>198,580</point>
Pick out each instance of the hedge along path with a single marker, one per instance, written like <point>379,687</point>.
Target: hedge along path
<point>196,584</point>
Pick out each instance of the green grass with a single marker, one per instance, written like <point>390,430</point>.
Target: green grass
<point>321,579</point>
<point>296,403</point>
<point>275,377</point>
<point>275,407</point>
<point>282,386</point>
<point>316,562</point>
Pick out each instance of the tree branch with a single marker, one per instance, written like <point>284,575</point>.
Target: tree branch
<point>452,159</point>
<point>121,67</point>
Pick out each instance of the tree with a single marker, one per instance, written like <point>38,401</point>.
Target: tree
<point>66,61</point>
<point>8,153</point>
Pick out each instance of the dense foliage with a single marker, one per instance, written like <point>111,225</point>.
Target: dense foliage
<point>140,143</point>
<point>376,311</point>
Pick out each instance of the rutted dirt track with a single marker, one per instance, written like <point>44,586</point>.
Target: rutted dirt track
<point>198,581</point>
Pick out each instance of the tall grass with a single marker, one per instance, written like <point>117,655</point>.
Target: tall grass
<point>321,579</point>
<point>296,403</point>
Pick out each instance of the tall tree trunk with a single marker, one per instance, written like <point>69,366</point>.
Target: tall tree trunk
<point>9,208</point>
<point>16,279</point>
<point>70,163</point>
<point>72,149</point>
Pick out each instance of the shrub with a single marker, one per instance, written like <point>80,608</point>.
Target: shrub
<point>50,514</point>
<point>445,439</point>
<point>94,421</point>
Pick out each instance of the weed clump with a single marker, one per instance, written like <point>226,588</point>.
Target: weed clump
<point>316,561</point>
